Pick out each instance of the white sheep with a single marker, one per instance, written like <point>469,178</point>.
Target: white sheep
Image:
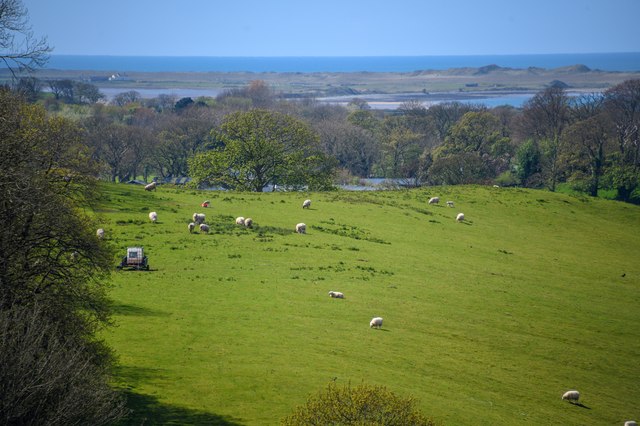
<point>248,222</point>
<point>336,295</point>
<point>376,322</point>
<point>240,220</point>
<point>198,218</point>
<point>191,227</point>
<point>301,228</point>
<point>100,233</point>
<point>572,395</point>
<point>204,228</point>
<point>630,423</point>
<point>460,217</point>
<point>434,200</point>
<point>153,217</point>
<point>449,203</point>
<point>150,187</point>
<point>306,204</point>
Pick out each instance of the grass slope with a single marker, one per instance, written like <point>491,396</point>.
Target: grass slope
<point>486,322</point>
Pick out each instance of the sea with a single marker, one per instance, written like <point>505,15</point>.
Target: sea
<point>625,61</point>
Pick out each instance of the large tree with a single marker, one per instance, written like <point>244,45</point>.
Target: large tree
<point>622,103</point>
<point>52,272</point>
<point>260,148</point>
<point>545,118</point>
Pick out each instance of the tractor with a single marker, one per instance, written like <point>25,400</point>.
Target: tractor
<point>135,259</point>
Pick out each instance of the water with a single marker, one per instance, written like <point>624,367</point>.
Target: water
<point>629,61</point>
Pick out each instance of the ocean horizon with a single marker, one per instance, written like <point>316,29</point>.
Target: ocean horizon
<point>623,62</point>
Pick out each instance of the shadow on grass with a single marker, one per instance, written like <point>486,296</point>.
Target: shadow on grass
<point>124,309</point>
<point>581,405</point>
<point>147,410</point>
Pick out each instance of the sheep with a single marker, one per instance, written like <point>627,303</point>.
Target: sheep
<point>191,227</point>
<point>153,216</point>
<point>248,222</point>
<point>306,204</point>
<point>301,228</point>
<point>150,187</point>
<point>204,228</point>
<point>100,233</point>
<point>336,295</point>
<point>205,204</point>
<point>449,203</point>
<point>198,218</point>
<point>571,396</point>
<point>460,217</point>
<point>630,423</point>
<point>376,322</point>
<point>240,220</point>
<point>434,200</point>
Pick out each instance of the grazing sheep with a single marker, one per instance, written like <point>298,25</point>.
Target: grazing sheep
<point>376,322</point>
<point>306,204</point>
<point>153,217</point>
<point>434,200</point>
<point>204,228</point>
<point>301,228</point>
<point>150,187</point>
<point>449,203</point>
<point>248,222</point>
<point>336,295</point>
<point>191,227</point>
<point>572,395</point>
<point>240,220</point>
<point>630,423</point>
<point>198,218</point>
<point>205,204</point>
<point>100,233</point>
<point>460,217</point>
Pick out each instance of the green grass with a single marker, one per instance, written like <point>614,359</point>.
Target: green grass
<point>486,322</point>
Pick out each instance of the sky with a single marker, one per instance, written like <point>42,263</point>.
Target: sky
<point>335,27</point>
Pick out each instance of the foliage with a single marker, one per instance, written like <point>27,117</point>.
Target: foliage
<point>52,262</point>
<point>49,379</point>
<point>260,148</point>
<point>458,169</point>
<point>357,405</point>
<point>527,161</point>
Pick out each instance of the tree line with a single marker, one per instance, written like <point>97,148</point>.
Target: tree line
<point>589,141</point>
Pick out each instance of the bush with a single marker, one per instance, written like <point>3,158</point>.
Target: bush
<point>358,405</point>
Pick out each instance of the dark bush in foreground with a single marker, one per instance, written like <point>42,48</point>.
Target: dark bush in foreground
<point>357,405</point>
<point>48,379</point>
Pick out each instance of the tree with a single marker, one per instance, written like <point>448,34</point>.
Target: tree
<point>20,49</point>
<point>527,165</point>
<point>622,103</point>
<point>545,117</point>
<point>86,93</point>
<point>357,405</point>
<point>260,148</point>
<point>125,98</point>
<point>52,275</point>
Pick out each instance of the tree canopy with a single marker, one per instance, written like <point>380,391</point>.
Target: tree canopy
<point>260,148</point>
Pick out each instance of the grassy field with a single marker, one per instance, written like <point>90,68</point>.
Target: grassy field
<point>486,322</point>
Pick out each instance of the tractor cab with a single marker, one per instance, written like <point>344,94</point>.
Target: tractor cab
<point>135,259</point>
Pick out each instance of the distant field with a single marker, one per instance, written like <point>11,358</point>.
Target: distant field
<point>486,322</point>
<point>461,80</point>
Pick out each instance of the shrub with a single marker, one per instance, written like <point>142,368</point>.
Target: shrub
<point>357,405</point>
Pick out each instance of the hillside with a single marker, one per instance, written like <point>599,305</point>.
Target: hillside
<point>486,322</point>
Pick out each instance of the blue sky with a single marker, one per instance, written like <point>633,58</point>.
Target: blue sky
<point>336,27</point>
